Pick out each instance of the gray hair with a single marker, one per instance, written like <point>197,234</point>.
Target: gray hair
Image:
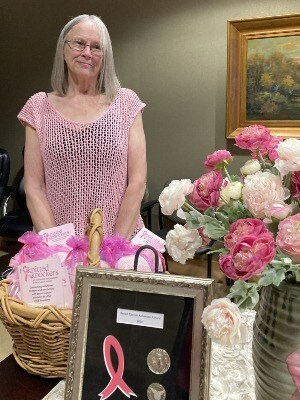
<point>107,82</point>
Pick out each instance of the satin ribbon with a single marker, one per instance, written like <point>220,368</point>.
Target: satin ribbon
<point>116,381</point>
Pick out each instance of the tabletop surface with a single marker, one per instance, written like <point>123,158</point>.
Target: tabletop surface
<point>17,384</point>
<point>232,376</point>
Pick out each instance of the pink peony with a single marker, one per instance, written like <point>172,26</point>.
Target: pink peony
<point>293,364</point>
<point>248,257</point>
<point>217,160</point>
<point>262,189</point>
<point>288,237</point>
<point>206,192</point>
<point>272,149</point>
<point>241,228</point>
<point>254,137</point>
<point>277,211</point>
<point>296,185</point>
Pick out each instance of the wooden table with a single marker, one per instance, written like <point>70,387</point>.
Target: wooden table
<point>17,384</point>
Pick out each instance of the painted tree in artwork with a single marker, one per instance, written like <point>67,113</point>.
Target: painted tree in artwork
<point>273,87</point>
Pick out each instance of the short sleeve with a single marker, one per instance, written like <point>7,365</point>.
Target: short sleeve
<point>28,114</point>
<point>135,105</point>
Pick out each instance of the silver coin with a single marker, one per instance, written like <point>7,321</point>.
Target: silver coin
<point>156,391</point>
<point>158,361</point>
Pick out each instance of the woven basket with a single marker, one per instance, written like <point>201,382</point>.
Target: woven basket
<point>40,335</point>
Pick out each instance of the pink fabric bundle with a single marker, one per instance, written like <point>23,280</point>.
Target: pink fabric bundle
<point>76,256</point>
<point>119,253</point>
<point>34,249</point>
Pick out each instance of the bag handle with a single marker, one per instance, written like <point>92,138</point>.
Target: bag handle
<point>137,254</point>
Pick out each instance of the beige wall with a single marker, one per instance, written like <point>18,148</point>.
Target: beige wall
<point>171,52</point>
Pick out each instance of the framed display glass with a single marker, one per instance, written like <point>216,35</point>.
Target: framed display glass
<point>138,335</point>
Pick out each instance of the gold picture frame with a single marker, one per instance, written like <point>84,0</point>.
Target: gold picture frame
<point>99,295</point>
<point>259,91</point>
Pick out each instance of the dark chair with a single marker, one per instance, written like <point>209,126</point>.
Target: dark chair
<point>163,231</point>
<point>4,174</point>
<point>17,221</point>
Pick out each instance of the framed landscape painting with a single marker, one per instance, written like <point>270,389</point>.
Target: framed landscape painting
<point>263,75</point>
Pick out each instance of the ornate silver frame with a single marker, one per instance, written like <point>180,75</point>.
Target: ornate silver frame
<point>200,290</point>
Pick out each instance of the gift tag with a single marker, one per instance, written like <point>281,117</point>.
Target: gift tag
<point>58,234</point>
<point>144,236</point>
<point>42,282</point>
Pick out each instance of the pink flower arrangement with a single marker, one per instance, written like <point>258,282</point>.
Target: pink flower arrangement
<point>261,190</point>
<point>242,228</point>
<point>206,191</point>
<point>288,237</point>
<point>253,138</point>
<point>296,185</point>
<point>293,364</point>
<point>253,220</point>
<point>218,160</point>
<point>248,257</point>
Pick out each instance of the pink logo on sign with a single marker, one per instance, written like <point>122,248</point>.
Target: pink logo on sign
<point>27,273</point>
<point>116,381</point>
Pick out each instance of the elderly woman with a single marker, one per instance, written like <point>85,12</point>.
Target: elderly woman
<point>85,144</point>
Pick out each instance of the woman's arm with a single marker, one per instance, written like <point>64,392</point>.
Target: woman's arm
<point>34,181</point>
<point>137,172</point>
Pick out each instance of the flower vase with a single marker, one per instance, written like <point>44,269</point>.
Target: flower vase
<point>276,335</point>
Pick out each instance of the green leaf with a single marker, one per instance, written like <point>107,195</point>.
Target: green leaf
<point>273,170</point>
<point>222,251</point>
<point>212,227</point>
<point>192,219</point>
<point>223,218</point>
<point>210,212</point>
<point>235,178</point>
<point>272,276</point>
<point>244,293</point>
<point>235,211</point>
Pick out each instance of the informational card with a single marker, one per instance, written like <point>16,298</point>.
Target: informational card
<point>144,236</point>
<point>44,282</point>
<point>141,318</point>
<point>58,235</point>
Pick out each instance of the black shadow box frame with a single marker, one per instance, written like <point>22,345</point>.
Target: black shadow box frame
<point>181,300</point>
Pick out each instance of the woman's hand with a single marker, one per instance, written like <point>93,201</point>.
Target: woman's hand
<point>34,181</point>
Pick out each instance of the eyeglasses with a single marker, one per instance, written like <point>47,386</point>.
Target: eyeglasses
<point>79,45</point>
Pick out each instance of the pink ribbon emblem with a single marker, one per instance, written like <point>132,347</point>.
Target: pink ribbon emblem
<point>116,380</point>
<point>27,273</point>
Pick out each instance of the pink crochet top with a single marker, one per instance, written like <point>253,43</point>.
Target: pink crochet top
<point>85,164</point>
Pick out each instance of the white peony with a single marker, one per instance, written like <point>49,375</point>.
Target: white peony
<point>173,196</point>
<point>232,191</point>
<point>182,242</point>
<point>223,322</point>
<point>262,189</point>
<point>250,167</point>
<point>288,156</point>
